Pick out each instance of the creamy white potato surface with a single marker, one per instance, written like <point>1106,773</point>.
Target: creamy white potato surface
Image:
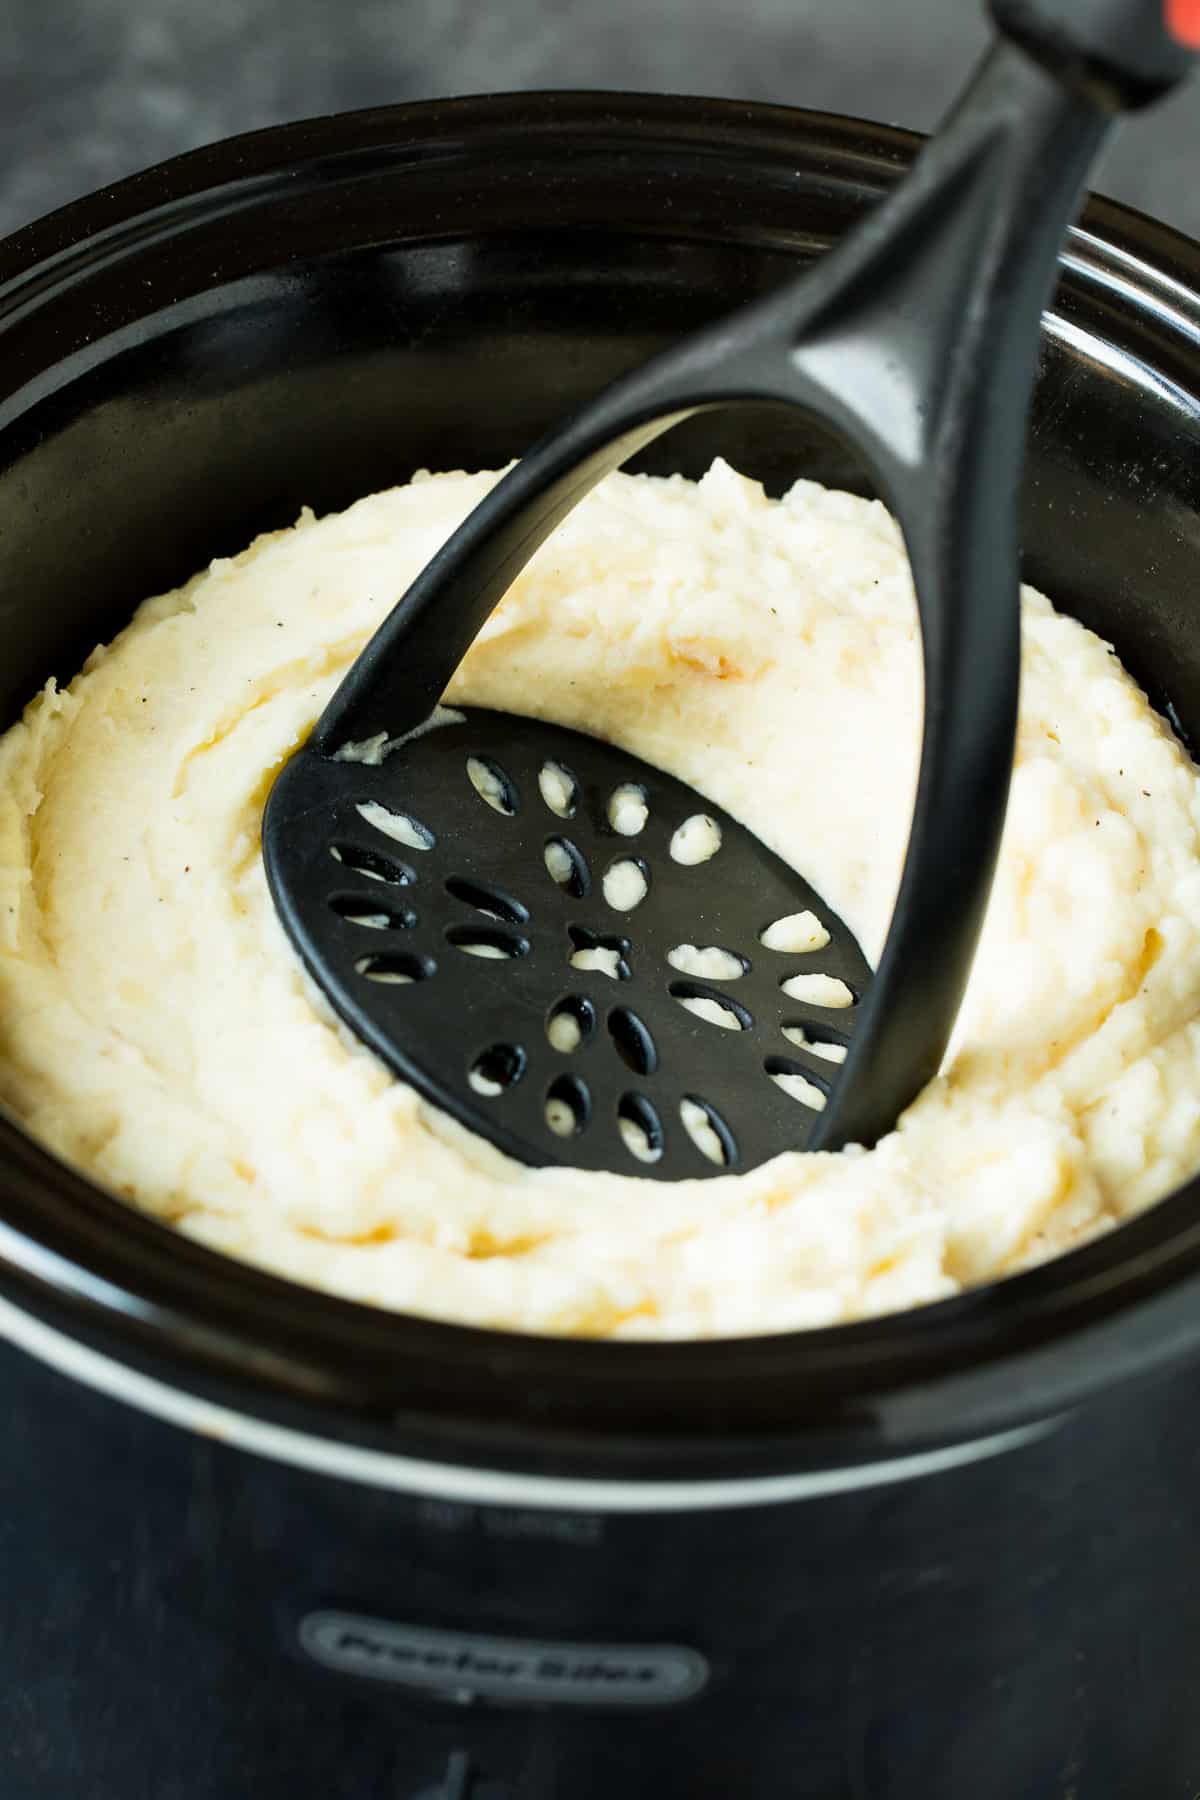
<point>156,1029</point>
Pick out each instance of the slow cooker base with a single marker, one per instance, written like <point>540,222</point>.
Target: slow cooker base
<point>1024,1626</point>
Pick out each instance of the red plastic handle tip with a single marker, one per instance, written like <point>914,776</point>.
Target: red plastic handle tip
<point>1183,22</point>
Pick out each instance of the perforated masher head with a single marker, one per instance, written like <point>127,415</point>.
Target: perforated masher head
<point>576,955</point>
<point>539,930</point>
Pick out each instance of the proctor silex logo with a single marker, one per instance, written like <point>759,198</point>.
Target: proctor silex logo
<point>459,1665</point>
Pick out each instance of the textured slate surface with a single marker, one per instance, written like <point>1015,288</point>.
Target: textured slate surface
<point>93,89</point>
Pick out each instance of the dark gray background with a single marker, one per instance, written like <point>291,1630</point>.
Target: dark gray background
<point>93,89</point>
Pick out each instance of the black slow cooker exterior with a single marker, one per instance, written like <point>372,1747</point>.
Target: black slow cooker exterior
<point>255,1540</point>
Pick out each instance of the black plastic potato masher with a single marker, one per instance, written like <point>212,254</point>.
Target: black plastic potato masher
<point>574,954</point>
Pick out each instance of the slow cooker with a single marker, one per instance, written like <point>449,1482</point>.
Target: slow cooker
<point>257,1541</point>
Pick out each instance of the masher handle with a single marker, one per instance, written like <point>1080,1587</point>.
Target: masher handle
<point>916,338</point>
<point>1133,49</point>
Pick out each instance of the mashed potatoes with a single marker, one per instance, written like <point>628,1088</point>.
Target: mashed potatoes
<point>157,1031</point>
